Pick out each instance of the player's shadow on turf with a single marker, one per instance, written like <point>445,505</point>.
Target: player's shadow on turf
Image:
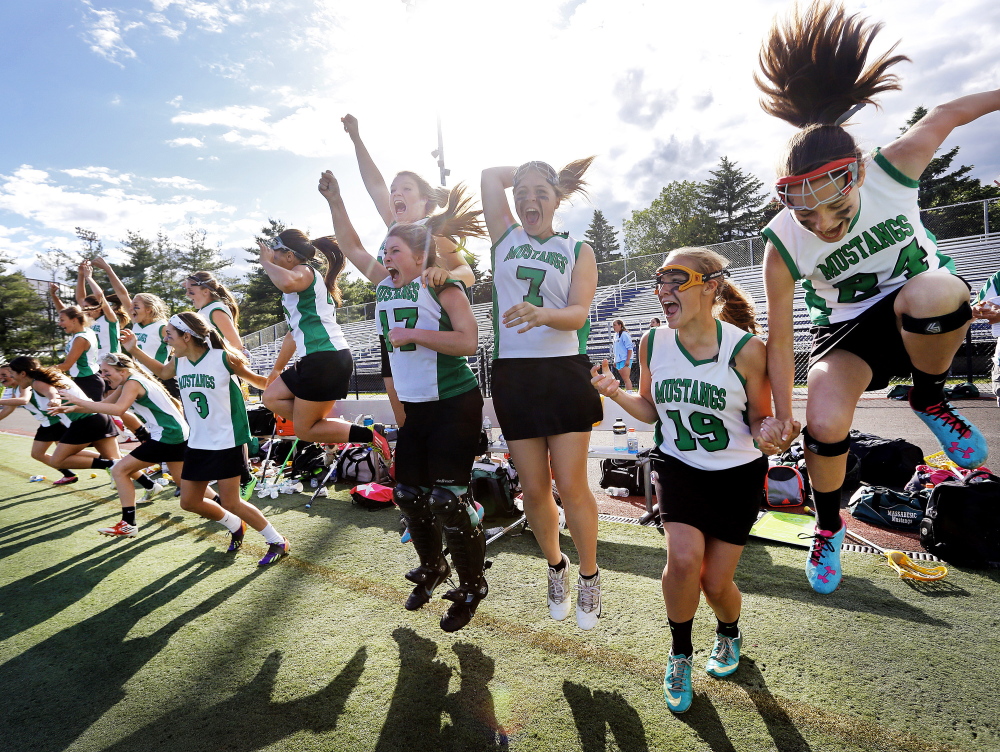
<point>779,725</point>
<point>704,720</point>
<point>597,712</point>
<point>25,534</point>
<point>420,699</point>
<point>61,686</point>
<point>250,719</point>
<point>29,497</point>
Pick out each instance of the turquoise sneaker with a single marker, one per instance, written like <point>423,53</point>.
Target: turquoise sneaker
<point>677,683</point>
<point>725,657</point>
<point>823,565</point>
<point>964,444</point>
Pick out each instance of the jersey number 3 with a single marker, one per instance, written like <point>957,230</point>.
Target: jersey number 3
<point>200,403</point>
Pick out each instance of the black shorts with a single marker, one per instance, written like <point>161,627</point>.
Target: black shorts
<point>155,452</point>
<point>438,443</point>
<point>693,497</point>
<point>213,464</point>
<point>50,433</point>
<point>386,371</point>
<point>89,429</point>
<point>320,377</point>
<point>93,386</point>
<point>535,397</point>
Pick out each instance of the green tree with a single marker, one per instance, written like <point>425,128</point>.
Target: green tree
<point>675,219</point>
<point>604,240</point>
<point>194,255</point>
<point>735,199</point>
<point>150,266</point>
<point>260,300</point>
<point>24,327</point>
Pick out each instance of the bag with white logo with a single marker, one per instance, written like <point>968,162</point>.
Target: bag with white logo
<point>889,508</point>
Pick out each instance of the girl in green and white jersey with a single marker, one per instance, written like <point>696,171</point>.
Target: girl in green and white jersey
<point>81,352</point>
<point>216,304</point>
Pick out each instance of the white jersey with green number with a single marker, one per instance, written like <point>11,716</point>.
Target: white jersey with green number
<point>107,336</point>
<point>87,363</point>
<point>312,319</point>
<point>990,293</point>
<point>526,269</point>
<point>213,402</point>
<point>207,311</point>
<point>150,340</point>
<point>885,246</point>
<point>419,373</point>
<point>159,413</point>
<point>701,404</point>
<point>37,404</point>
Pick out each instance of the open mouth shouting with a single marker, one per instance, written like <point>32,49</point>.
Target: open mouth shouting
<point>670,308</point>
<point>398,207</point>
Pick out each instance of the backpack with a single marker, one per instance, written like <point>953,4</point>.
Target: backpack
<point>360,463</point>
<point>372,496</point>
<point>310,460</point>
<point>261,421</point>
<point>493,485</point>
<point>784,487</point>
<point>884,462</point>
<point>886,507</point>
<point>963,520</point>
<point>624,473</point>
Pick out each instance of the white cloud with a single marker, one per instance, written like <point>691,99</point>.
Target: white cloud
<point>99,173</point>
<point>195,142</point>
<point>243,118</point>
<point>180,183</point>
<point>176,101</point>
<point>104,34</point>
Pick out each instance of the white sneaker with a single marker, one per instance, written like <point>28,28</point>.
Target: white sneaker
<point>588,602</point>
<point>559,603</point>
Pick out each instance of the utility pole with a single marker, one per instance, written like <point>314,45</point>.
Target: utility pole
<point>439,154</point>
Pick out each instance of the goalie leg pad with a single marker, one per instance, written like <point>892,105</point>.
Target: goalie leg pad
<point>425,530</point>
<point>465,540</point>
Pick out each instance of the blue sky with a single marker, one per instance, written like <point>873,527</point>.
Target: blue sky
<point>164,114</point>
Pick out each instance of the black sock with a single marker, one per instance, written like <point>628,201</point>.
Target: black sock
<point>680,631</point>
<point>128,514</point>
<point>590,576</point>
<point>144,481</point>
<point>558,567</point>
<point>728,629</point>
<point>67,473</point>
<point>928,389</point>
<point>360,435</point>
<point>827,505</point>
<point>102,464</point>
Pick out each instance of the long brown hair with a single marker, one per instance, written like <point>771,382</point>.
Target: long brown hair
<point>219,292</point>
<point>78,314</point>
<point>732,303</point>
<point>94,303</point>
<point>306,250</point>
<point>205,335</point>
<point>813,69</point>
<point>565,182</point>
<point>458,221</point>
<point>46,374</point>
<point>432,196</point>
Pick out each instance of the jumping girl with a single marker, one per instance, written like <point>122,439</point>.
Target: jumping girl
<point>81,350</point>
<point>705,387</point>
<point>543,285</point>
<point>409,198</point>
<point>306,392</point>
<point>206,371</point>
<point>622,351</point>
<point>882,299</point>
<point>52,426</point>
<point>149,321</point>
<point>216,304</point>
<point>429,329</point>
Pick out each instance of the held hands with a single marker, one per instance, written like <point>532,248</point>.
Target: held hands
<point>433,276</point>
<point>350,126</point>
<point>100,263</point>
<point>603,381</point>
<point>525,314</point>
<point>329,186</point>
<point>777,435</point>
<point>128,340</point>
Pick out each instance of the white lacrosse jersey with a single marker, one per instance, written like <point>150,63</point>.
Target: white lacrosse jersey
<point>150,340</point>
<point>526,269</point>
<point>991,293</point>
<point>213,402</point>
<point>885,246</point>
<point>419,373</point>
<point>215,305</point>
<point>107,336</point>
<point>312,318</point>
<point>159,413</point>
<point>87,363</point>
<point>37,404</point>
<point>701,404</point>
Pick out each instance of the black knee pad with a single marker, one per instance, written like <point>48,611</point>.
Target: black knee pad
<point>409,498</point>
<point>949,322</point>
<point>466,541</point>
<point>445,505</point>
<point>823,448</point>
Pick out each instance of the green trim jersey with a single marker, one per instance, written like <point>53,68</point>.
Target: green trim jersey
<point>37,405</point>
<point>701,405</point>
<point>312,319</point>
<point>207,311</point>
<point>527,269</point>
<point>87,363</point>
<point>107,336</point>
<point>419,373</point>
<point>885,246</point>
<point>991,294</point>
<point>159,413</point>
<point>213,402</point>
<point>150,340</point>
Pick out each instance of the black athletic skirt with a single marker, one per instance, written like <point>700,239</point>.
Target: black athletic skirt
<point>89,429</point>
<point>156,451</point>
<point>93,386</point>
<point>721,504</point>
<point>438,443</point>
<point>50,433</point>
<point>535,397</point>
<point>320,377</point>
<point>213,464</point>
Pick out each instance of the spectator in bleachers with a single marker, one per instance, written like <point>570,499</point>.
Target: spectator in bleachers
<point>988,307</point>
<point>622,350</point>
<point>654,322</point>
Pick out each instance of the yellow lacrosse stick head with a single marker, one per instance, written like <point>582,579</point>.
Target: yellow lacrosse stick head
<point>910,570</point>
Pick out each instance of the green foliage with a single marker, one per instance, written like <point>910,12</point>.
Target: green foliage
<point>735,199</point>
<point>260,300</point>
<point>675,219</point>
<point>604,240</point>
<point>150,267</point>
<point>25,329</point>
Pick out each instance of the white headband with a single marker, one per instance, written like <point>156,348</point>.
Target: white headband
<point>178,323</point>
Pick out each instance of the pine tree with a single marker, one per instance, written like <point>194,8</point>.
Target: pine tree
<point>675,219</point>
<point>260,300</point>
<point>194,255</point>
<point>150,266</point>
<point>735,199</point>
<point>24,327</point>
<point>602,238</point>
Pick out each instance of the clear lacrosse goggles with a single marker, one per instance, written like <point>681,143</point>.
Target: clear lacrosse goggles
<point>806,187</point>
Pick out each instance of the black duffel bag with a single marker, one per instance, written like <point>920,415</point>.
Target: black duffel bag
<point>624,474</point>
<point>963,520</point>
<point>884,462</point>
<point>886,507</point>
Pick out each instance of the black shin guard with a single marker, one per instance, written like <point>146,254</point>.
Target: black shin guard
<point>465,540</point>
<point>425,529</point>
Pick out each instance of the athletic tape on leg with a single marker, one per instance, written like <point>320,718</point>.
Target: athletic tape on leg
<point>823,448</point>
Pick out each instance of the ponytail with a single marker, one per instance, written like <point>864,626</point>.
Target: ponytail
<point>457,222</point>
<point>46,374</point>
<point>732,303</point>
<point>116,305</point>
<point>565,183</point>
<point>328,246</point>
<point>219,292</point>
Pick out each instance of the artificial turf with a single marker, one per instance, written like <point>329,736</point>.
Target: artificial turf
<point>165,642</point>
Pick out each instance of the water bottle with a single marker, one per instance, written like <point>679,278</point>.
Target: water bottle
<point>620,430</point>
<point>36,478</point>
<point>488,428</point>
<point>367,421</point>
<point>617,491</point>
<point>633,442</point>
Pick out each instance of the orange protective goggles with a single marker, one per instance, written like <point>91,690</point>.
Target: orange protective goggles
<point>679,278</point>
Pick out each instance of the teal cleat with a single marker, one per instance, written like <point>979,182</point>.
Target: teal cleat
<point>823,565</point>
<point>725,657</point>
<point>677,683</point>
<point>964,444</point>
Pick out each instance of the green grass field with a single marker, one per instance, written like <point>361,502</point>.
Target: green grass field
<point>165,642</point>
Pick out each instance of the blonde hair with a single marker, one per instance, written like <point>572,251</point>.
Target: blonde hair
<point>157,305</point>
<point>124,361</point>
<point>432,196</point>
<point>458,221</point>
<point>732,303</point>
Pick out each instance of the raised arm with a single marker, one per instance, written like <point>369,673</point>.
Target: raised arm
<point>347,236</point>
<point>780,289</point>
<point>913,151</point>
<point>56,300</point>
<point>463,340</point>
<point>116,284</point>
<point>97,292</point>
<point>83,271</point>
<point>496,208</point>
<point>286,280</point>
<point>370,175</point>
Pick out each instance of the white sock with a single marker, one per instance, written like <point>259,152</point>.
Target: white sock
<point>271,535</point>
<point>231,521</point>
